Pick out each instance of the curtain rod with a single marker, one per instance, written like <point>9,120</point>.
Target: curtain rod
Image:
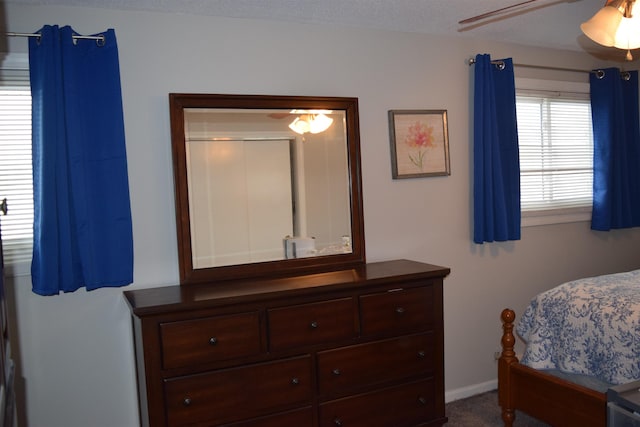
<point>75,37</point>
<point>539,67</point>
<point>599,73</point>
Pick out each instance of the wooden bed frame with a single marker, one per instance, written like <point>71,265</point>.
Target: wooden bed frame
<point>543,396</point>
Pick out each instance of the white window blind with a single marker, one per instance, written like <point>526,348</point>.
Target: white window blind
<point>16,182</point>
<point>556,151</point>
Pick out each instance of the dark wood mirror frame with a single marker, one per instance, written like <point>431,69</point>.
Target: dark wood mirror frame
<point>281,268</point>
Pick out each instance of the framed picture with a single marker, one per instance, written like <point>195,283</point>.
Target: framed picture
<point>419,143</point>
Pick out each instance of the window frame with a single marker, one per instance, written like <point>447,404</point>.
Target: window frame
<point>555,88</point>
<point>12,63</point>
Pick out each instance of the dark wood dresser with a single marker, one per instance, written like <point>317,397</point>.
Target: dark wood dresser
<point>353,347</point>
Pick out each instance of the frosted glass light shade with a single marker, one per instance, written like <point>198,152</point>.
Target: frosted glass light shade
<point>320,123</point>
<point>602,28</point>
<point>300,125</point>
<point>628,34</point>
<point>314,123</point>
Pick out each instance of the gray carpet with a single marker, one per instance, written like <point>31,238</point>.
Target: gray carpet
<point>482,410</point>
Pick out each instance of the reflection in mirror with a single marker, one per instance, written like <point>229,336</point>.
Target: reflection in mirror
<point>285,194</point>
<point>265,185</point>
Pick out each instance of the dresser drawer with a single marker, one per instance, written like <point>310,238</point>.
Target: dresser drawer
<point>401,406</point>
<point>313,323</point>
<point>240,393</point>
<point>192,342</point>
<point>298,418</point>
<point>395,311</point>
<point>345,369</point>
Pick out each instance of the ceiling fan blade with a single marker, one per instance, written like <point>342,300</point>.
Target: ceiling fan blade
<point>493,12</point>
<point>279,115</point>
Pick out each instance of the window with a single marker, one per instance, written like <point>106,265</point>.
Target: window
<point>556,155</point>
<point>16,182</point>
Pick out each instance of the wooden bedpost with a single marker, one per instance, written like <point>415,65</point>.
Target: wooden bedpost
<point>507,357</point>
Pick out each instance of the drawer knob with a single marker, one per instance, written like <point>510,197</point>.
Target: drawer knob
<point>338,422</point>
<point>400,311</point>
<point>295,381</point>
<point>213,340</point>
<point>421,354</point>
<point>336,372</point>
<point>422,400</point>
<point>314,325</point>
<point>186,401</point>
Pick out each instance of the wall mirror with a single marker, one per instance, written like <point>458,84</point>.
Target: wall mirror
<point>265,185</point>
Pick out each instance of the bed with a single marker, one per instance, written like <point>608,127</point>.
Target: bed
<point>580,338</point>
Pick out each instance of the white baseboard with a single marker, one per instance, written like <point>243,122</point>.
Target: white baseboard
<point>468,391</point>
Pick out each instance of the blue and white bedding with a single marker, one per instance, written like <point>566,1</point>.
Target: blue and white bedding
<point>589,326</point>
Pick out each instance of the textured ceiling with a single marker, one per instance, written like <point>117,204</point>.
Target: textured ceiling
<point>545,23</point>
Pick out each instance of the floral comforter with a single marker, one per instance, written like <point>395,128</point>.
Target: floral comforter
<point>588,326</point>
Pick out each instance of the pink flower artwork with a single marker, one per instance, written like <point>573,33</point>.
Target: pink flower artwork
<point>420,136</point>
<point>419,143</point>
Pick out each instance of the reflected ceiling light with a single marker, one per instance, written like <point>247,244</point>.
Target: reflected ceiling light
<point>615,25</point>
<point>300,125</point>
<point>320,123</point>
<point>313,122</point>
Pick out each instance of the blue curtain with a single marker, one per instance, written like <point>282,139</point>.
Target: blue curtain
<point>82,224</point>
<point>616,159</point>
<point>496,162</point>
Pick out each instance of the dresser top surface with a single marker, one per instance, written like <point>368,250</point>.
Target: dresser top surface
<point>158,300</point>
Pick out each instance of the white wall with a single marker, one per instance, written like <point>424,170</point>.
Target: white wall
<point>76,352</point>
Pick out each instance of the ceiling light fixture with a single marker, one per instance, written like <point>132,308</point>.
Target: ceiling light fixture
<point>615,25</point>
<point>311,121</point>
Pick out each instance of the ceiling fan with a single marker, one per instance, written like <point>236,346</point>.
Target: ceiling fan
<point>614,25</point>
<point>494,12</point>
<point>505,9</point>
